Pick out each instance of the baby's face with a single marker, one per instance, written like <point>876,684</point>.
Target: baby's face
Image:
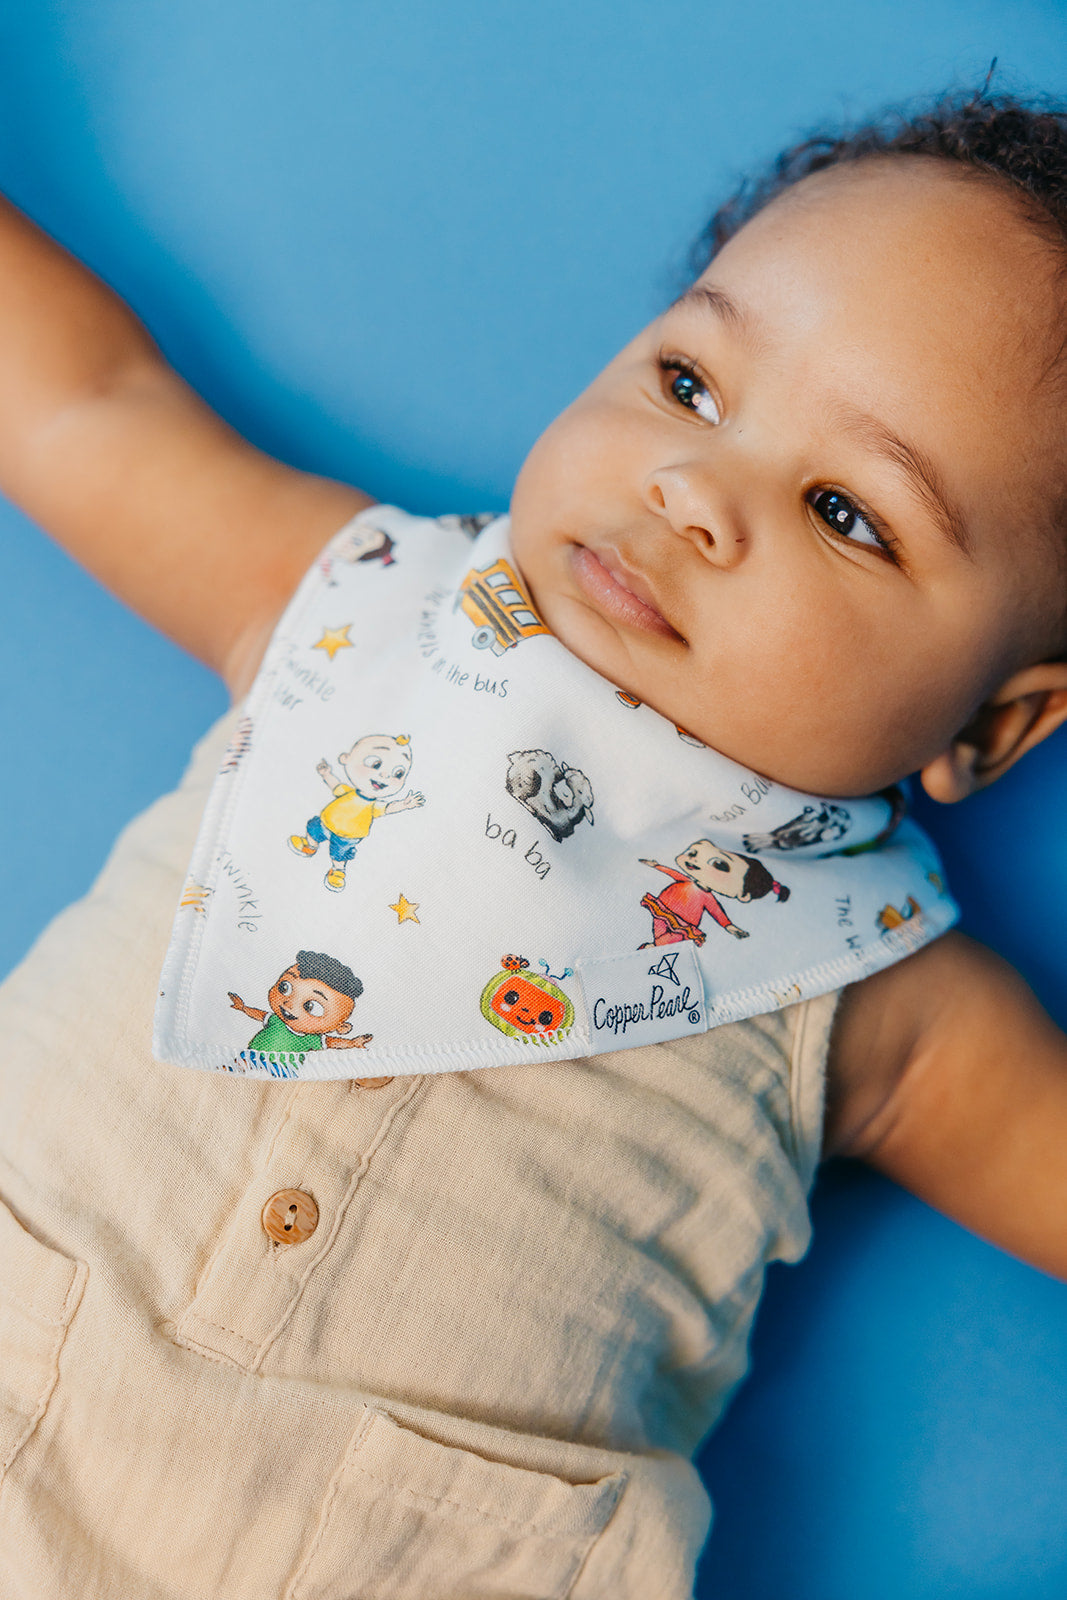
<point>720,871</point>
<point>306,1005</point>
<point>806,514</point>
<point>377,766</point>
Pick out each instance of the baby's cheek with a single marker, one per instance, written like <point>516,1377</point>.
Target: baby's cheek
<point>776,685</point>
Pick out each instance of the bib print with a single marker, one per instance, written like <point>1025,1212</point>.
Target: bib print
<point>439,841</point>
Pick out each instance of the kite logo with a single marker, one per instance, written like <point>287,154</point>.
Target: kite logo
<point>665,968</point>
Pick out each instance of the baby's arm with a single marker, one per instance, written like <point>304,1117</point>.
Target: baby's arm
<point>410,802</point>
<point>114,456</point>
<point>329,776</point>
<point>947,1075</point>
<point>250,1011</point>
<point>672,872</point>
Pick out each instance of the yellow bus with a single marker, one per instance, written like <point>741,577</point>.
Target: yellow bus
<point>497,603</point>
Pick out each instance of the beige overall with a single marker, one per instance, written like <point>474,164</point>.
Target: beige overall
<point>508,1304</point>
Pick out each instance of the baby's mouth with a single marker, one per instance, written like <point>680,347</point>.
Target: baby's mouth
<point>618,592</point>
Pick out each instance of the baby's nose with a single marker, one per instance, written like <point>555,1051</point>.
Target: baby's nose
<point>690,502</point>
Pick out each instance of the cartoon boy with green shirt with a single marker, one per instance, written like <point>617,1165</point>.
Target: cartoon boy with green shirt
<point>309,1005</point>
<point>376,766</point>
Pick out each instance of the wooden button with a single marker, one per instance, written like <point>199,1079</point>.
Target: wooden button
<point>371,1083</point>
<point>290,1216</point>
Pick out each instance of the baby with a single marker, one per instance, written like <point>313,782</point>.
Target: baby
<point>813,515</point>
<point>377,765</point>
<point>310,1003</point>
<point>677,912</point>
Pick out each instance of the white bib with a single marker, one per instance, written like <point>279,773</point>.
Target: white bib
<point>440,841</point>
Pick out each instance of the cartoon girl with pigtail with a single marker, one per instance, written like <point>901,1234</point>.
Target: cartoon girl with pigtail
<point>706,874</point>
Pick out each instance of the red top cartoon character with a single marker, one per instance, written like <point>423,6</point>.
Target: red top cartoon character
<point>706,873</point>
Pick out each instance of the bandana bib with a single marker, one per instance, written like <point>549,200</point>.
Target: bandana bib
<point>439,841</point>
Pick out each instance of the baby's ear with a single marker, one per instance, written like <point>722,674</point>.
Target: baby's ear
<point>1024,711</point>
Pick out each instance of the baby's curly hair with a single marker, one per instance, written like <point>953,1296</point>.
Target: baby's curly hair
<point>1021,144</point>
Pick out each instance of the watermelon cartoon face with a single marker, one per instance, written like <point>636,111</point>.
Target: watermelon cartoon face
<point>527,1007</point>
<point>524,1005</point>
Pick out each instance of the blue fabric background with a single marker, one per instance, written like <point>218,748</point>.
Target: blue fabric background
<point>389,243</point>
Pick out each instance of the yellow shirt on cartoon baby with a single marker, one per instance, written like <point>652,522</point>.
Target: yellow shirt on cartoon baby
<point>349,814</point>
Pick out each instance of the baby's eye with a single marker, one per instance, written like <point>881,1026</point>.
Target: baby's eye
<point>374,762</point>
<point>398,773</point>
<point>689,389</point>
<point>839,513</point>
<point>285,987</point>
<point>314,1008</point>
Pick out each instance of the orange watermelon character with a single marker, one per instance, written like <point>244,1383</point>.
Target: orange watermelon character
<point>524,1005</point>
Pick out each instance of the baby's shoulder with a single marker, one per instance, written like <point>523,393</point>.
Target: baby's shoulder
<point>949,1077</point>
<point>921,1010</point>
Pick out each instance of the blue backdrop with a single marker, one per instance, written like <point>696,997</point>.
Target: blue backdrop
<point>389,243</point>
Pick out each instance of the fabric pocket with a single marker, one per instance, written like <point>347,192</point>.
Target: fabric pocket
<point>406,1518</point>
<point>39,1294</point>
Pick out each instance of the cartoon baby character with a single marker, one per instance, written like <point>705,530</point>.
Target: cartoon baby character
<point>376,766</point>
<point>310,1005</point>
<point>706,873</point>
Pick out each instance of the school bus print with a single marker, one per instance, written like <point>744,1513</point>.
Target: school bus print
<point>497,603</point>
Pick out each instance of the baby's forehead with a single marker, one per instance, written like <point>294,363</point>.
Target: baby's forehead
<point>931,243</point>
<point>372,744</point>
<point>326,989</point>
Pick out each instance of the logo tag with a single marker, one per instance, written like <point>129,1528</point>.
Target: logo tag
<point>654,995</point>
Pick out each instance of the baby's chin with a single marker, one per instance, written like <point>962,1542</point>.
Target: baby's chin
<point>648,667</point>
<point>828,776</point>
<point>629,657</point>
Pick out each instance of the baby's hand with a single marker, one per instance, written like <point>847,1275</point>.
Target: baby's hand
<point>738,933</point>
<point>235,1001</point>
<point>413,800</point>
<point>323,768</point>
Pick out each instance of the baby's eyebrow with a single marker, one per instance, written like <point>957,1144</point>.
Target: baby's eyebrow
<point>707,297</point>
<point>917,467</point>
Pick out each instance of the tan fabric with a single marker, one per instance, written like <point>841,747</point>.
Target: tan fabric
<point>482,1374</point>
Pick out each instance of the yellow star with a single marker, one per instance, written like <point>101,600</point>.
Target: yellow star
<point>405,910</point>
<point>334,639</point>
